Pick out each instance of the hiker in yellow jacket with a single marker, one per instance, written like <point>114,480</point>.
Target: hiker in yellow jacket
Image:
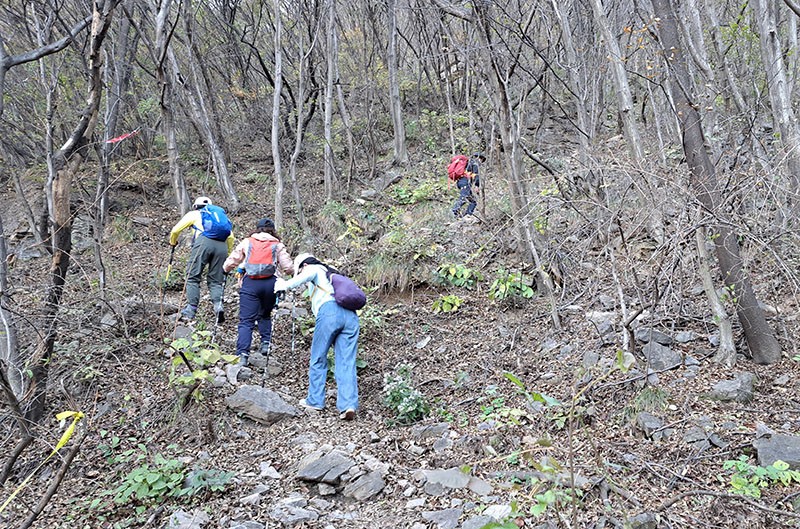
<point>212,240</point>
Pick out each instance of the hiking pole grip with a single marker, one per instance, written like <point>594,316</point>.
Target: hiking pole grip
<point>169,266</point>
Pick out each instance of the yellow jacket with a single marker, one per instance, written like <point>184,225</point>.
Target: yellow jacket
<point>195,220</point>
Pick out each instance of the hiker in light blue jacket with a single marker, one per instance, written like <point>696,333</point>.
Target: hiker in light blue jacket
<point>335,326</point>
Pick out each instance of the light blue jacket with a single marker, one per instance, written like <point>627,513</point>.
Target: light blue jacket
<point>319,290</point>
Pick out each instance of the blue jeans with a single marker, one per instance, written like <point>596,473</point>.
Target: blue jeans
<point>339,327</point>
<point>256,301</point>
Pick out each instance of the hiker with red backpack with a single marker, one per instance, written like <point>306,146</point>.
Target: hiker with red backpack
<point>212,239</point>
<point>464,172</point>
<point>259,257</point>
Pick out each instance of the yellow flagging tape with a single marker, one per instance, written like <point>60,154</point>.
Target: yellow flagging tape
<point>65,437</point>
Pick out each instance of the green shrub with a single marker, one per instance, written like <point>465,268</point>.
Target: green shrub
<point>457,275</point>
<point>510,284</point>
<point>449,303</point>
<point>408,404</point>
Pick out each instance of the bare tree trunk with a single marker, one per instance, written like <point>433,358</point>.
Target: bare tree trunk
<point>726,353</point>
<point>118,85</point>
<point>780,95</point>
<point>166,103</point>
<point>623,90</point>
<point>348,129</point>
<point>66,162</point>
<point>203,111</point>
<point>760,338</point>
<point>276,115</point>
<point>10,362</point>
<point>330,169</point>
<point>395,104</point>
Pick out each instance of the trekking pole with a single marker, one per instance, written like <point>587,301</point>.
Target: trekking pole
<point>216,315</point>
<point>292,324</point>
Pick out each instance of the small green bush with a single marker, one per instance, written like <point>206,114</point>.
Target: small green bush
<point>408,404</point>
<point>457,275</point>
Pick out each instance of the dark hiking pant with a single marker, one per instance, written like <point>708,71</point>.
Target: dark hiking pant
<point>256,301</point>
<point>465,196</point>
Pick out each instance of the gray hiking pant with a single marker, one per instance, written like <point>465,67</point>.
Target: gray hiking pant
<point>206,253</point>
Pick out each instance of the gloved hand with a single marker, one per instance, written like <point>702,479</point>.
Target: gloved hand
<point>280,285</point>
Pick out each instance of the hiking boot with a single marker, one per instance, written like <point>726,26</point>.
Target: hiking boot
<point>188,313</point>
<point>348,415</point>
<point>244,360</point>
<point>306,405</point>
<point>220,318</point>
<point>264,349</point>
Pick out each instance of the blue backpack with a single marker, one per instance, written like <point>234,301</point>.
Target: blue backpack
<point>216,224</point>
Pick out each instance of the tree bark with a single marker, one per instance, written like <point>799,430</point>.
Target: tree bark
<point>760,338</point>
<point>66,162</point>
<point>330,168</point>
<point>395,104</point>
<point>780,95</point>
<point>276,115</point>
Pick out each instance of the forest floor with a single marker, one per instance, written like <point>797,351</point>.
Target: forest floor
<point>529,408</point>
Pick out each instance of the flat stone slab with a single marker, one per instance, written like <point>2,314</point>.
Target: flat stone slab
<point>260,404</point>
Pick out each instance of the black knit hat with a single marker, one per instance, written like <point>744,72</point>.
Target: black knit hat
<point>265,223</point>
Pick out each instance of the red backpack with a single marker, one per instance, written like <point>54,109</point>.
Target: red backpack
<point>457,167</point>
<point>261,259</point>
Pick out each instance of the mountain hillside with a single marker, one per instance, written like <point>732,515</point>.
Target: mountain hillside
<point>498,418</point>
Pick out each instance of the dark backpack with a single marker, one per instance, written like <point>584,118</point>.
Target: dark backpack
<point>261,259</point>
<point>216,224</point>
<point>346,293</point>
<point>457,167</point>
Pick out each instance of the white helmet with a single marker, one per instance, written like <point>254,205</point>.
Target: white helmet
<point>299,260</point>
<point>201,202</point>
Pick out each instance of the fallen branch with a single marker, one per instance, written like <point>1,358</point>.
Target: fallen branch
<point>59,477</point>
<point>672,501</point>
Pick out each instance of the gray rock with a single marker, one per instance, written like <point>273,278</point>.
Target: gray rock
<point>442,445</point>
<point>661,357</point>
<point>479,486</point>
<point>248,525</point>
<point>434,489</point>
<point>651,335</point>
<point>590,359</point>
<point>291,511</point>
<point>430,431</point>
<point>685,337</point>
<point>180,519</point>
<point>451,478</point>
<point>268,471</point>
<point>365,487</point>
<point>327,469</point>
<point>260,404</point>
<point>649,424</point>
<point>477,522</point>
<point>645,520</point>
<point>740,389</point>
<point>781,447</point>
<point>326,490</point>
<point>498,512</point>
<point>444,519</point>
<point>416,502</point>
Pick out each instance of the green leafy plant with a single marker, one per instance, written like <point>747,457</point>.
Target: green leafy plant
<point>457,275</point>
<point>147,483</point>
<point>202,354</point>
<point>751,480</point>
<point>449,303</point>
<point>408,403</point>
<point>510,284</point>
